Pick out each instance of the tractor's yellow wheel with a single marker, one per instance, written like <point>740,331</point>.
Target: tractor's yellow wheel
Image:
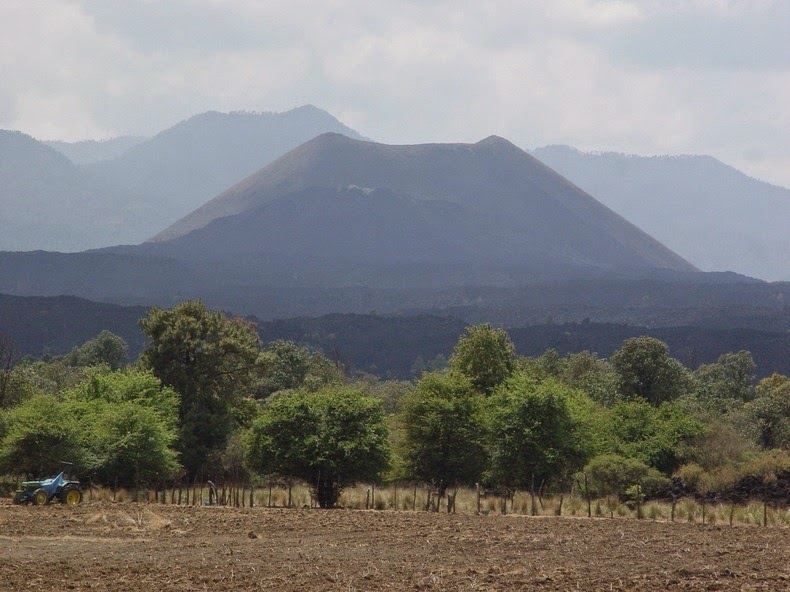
<point>40,497</point>
<point>71,497</point>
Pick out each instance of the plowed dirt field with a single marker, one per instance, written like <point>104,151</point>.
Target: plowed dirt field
<point>150,548</point>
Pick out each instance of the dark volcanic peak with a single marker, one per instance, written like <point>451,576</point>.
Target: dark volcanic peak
<point>508,209</point>
<point>495,140</point>
<point>353,224</point>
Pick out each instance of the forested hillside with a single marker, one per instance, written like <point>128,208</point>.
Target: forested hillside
<point>53,326</point>
<point>400,346</point>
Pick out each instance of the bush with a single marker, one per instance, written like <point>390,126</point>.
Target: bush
<point>610,474</point>
<point>39,434</point>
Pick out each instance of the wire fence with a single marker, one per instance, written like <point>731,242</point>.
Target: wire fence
<point>410,497</point>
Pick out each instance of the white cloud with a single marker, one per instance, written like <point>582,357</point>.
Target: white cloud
<point>644,76</point>
<point>592,13</point>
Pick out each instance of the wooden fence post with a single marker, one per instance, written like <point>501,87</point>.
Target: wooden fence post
<point>587,494</point>
<point>533,509</point>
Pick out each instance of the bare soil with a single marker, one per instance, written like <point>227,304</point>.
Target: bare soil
<point>120,547</point>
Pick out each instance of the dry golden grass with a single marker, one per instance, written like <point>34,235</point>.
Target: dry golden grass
<point>409,498</point>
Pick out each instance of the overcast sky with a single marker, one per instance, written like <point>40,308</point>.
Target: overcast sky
<point>637,76</point>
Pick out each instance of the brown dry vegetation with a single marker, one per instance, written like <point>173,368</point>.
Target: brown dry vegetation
<point>119,547</point>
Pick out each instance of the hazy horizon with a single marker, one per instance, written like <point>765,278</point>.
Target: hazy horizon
<point>639,77</point>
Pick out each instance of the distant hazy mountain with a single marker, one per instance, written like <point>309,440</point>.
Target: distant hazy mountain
<point>339,202</point>
<point>708,212</point>
<point>89,151</point>
<point>186,165</point>
<point>49,203</point>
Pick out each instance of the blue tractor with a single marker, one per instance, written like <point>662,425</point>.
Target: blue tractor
<point>57,488</point>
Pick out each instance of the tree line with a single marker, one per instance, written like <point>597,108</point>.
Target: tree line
<point>206,401</point>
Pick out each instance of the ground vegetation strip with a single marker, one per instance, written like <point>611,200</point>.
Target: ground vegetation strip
<point>120,547</point>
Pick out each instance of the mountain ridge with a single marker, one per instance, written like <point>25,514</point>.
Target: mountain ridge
<point>45,197</point>
<point>209,152</point>
<point>707,211</point>
<point>52,204</point>
<point>90,151</point>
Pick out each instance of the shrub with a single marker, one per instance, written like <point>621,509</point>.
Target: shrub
<point>613,474</point>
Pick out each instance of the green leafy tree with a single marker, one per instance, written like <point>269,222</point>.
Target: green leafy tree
<point>132,444</point>
<point>595,377</point>
<point>726,384</point>
<point>645,370</point>
<point>19,386</point>
<point>8,359</point>
<point>52,377</point>
<point>323,372</point>
<point>330,438</point>
<point>533,432</point>
<point>233,462</point>
<point>106,348</point>
<point>767,419</point>
<point>39,433</point>
<point>593,424</point>
<point>129,385</point>
<point>128,425</point>
<point>484,355</point>
<point>551,362</point>
<point>209,360</point>
<point>659,436</point>
<point>287,366</point>
<point>443,431</point>
<point>282,366</point>
<point>436,364</point>
<point>391,392</point>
